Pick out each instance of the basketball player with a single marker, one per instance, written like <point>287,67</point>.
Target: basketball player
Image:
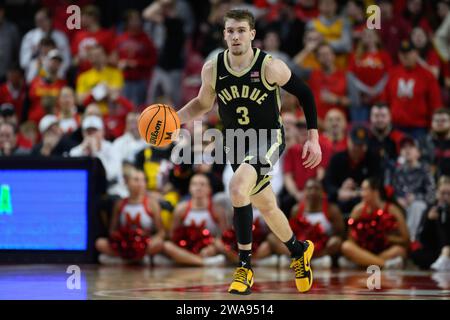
<point>247,84</point>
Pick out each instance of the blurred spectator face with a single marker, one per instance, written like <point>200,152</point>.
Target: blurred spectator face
<point>238,36</point>
<point>386,9</point>
<point>443,192</point>
<point>131,124</point>
<point>354,10</point>
<point>92,110</point>
<point>367,193</point>
<point>53,66</point>
<point>66,99</point>
<point>312,37</point>
<point>440,123</point>
<point>97,57</point>
<point>327,7</point>
<point>271,41</point>
<point>414,6</point>
<point>8,138</point>
<point>15,78</point>
<point>408,59</point>
<point>380,118</point>
<point>8,114</point>
<point>356,151</point>
<point>313,191</point>
<point>42,20</point>
<point>136,183</point>
<point>369,37</point>
<point>289,123</point>
<point>410,152</point>
<point>419,38</point>
<point>89,16</point>
<point>335,122</point>
<point>325,56</point>
<point>443,9</point>
<point>134,22</point>
<point>199,186</point>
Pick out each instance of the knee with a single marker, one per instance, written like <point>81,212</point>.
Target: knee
<point>239,196</point>
<point>334,245</point>
<point>399,251</point>
<point>347,247</point>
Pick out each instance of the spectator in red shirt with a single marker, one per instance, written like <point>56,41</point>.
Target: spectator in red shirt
<point>412,93</point>
<point>69,119</point>
<point>45,89</point>
<point>393,28</point>
<point>136,55</point>
<point>335,132</point>
<point>294,173</point>
<point>368,74</point>
<point>13,91</point>
<point>91,34</point>
<point>428,58</point>
<point>414,14</point>
<point>328,84</point>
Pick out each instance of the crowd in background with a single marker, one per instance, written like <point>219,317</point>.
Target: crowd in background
<point>382,98</point>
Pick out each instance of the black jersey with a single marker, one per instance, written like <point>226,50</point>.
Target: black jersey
<point>245,98</point>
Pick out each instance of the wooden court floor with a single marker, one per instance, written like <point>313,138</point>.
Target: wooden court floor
<point>49,282</point>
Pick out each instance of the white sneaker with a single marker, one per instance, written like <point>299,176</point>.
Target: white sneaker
<point>441,264</point>
<point>271,261</point>
<point>394,263</point>
<point>344,263</point>
<point>284,261</point>
<point>324,262</point>
<point>218,260</point>
<point>162,260</point>
<point>110,260</point>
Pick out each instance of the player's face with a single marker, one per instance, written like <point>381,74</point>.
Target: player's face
<point>238,36</point>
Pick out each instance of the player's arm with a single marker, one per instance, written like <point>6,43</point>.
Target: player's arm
<point>205,98</point>
<point>278,73</point>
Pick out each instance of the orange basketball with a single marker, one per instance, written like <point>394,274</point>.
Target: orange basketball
<point>157,123</point>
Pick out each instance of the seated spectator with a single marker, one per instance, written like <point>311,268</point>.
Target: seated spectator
<point>136,55</point>
<point>29,48</point>
<point>7,114</point>
<point>54,142</point>
<point>347,170</point>
<point>415,15</point>
<point>335,130</point>
<point>306,58</point>
<point>435,146</point>
<point>36,66</point>
<point>368,74</point>
<point>413,184</point>
<point>14,91</point>
<point>315,210</point>
<point>8,141</point>
<point>94,145</point>
<point>271,45</point>
<point>130,143</point>
<point>44,90</point>
<point>294,173</point>
<point>394,28</point>
<point>137,211</point>
<point>336,31</point>
<point>198,210</point>
<point>434,232</point>
<point>384,138</point>
<point>329,85</point>
<point>368,251</point>
<point>412,93</point>
<point>90,35</point>
<point>67,111</point>
<point>95,83</point>
<point>427,56</point>
<point>356,15</point>
<point>9,46</point>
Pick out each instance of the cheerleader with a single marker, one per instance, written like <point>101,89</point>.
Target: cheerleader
<point>137,212</point>
<point>197,212</point>
<point>322,221</point>
<point>387,246</point>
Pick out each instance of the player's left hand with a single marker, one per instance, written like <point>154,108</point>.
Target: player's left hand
<point>312,147</point>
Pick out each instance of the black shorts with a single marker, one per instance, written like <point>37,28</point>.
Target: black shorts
<point>262,156</point>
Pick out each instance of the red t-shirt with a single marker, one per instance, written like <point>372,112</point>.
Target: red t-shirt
<point>84,39</point>
<point>371,66</point>
<point>140,48</point>
<point>6,97</point>
<point>335,83</point>
<point>336,146</point>
<point>40,88</point>
<point>292,163</point>
<point>413,95</point>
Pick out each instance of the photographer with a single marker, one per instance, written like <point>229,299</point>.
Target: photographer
<point>434,232</point>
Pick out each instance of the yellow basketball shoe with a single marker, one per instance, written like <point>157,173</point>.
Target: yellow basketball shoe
<point>242,281</point>
<point>302,268</point>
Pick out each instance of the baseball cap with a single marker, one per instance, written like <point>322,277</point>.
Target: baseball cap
<point>54,54</point>
<point>92,122</point>
<point>7,109</point>
<point>406,46</point>
<point>408,140</point>
<point>46,122</point>
<point>359,135</point>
